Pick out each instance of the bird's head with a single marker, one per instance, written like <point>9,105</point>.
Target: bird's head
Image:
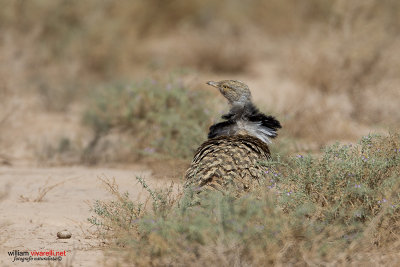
<point>236,92</point>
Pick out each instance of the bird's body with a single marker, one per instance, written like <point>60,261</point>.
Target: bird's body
<point>236,146</point>
<point>226,161</point>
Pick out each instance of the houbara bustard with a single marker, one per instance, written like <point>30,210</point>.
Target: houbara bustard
<point>235,147</point>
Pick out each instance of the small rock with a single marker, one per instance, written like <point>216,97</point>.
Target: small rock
<point>65,234</point>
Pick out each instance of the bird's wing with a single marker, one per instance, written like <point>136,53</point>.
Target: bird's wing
<point>222,128</point>
<point>251,120</point>
<point>266,124</point>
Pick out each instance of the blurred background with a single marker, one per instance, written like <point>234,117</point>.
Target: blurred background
<point>110,82</point>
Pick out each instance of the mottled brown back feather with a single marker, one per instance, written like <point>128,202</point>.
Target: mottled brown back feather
<point>227,161</point>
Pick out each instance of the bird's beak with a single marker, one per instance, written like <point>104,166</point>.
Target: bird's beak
<point>215,84</point>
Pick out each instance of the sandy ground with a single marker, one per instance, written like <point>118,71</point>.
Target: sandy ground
<point>27,225</point>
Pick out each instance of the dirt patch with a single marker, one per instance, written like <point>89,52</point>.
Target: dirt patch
<point>30,221</point>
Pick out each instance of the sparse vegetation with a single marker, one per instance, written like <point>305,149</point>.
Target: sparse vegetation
<point>328,68</point>
<point>42,192</point>
<point>341,56</point>
<point>162,119</point>
<point>347,70</point>
<point>331,209</point>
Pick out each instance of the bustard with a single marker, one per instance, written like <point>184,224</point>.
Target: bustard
<point>235,147</point>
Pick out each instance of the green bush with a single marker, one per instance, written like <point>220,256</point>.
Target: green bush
<point>313,210</point>
<point>162,118</point>
<point>349,182</point>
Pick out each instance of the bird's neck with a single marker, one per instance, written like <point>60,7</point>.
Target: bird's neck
<point>241,110</point>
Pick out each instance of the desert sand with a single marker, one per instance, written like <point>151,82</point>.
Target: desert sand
<point>29,224</point>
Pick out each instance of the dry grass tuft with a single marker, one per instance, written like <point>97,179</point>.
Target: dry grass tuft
<point>42,192</point>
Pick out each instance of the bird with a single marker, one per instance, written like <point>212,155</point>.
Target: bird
<point>236,146</point>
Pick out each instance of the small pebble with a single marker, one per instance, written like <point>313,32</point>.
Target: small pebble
<point>65,234</point>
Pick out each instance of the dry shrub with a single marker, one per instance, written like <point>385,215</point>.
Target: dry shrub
<point>156,118</point>
<point>353,63</point>
<point>338,209</point>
